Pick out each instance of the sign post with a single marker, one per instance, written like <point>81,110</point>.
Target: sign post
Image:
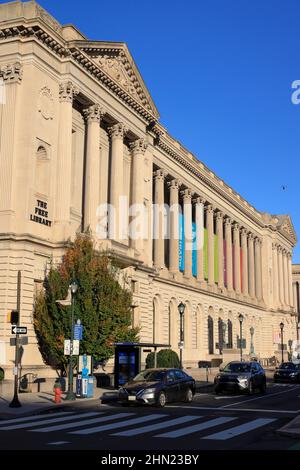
<point>15,403</point>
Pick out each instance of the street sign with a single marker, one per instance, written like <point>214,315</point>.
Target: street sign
<point>67,347</point>
<point>78,330</point>
<point>19,330</point>
<point>22,341</point>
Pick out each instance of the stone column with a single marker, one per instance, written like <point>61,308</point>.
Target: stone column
<point>199,201</point>
<point>210,244</point>
<point>174,226</point>
<point>280,276</point>
<point>285,278</point>
<point>67,91</point>
<point>117,226</point>
<point>275,275</point>
<point>92,167</point>
<point>188,236</point>
<point>228,238</point>
<point>245,274</point>
<point>295,292</point>
<point>219,219</point>
<point>237,258</point>
<point>159,241</point>
<point>11,75</point>
<point>258,278</point>
<point>290,279</point>
<point>138,222</point>
<point>251,266</point>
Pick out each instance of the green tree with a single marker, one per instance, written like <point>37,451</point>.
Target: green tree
<point>102,303</point>
<point>164,358</point>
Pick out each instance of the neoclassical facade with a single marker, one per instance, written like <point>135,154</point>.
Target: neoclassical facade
<point>79,130</point>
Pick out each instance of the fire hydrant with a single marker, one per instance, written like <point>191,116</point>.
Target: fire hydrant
<point>57,392</point>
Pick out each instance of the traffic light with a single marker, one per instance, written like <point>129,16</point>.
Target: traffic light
<point>13,317</point>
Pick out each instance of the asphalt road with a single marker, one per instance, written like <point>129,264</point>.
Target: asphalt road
<point>211,422</point>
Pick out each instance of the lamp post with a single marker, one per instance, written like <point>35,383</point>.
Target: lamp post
<point>70,394</point>
<point>252,353</point>
<point>281,335</point>
<point>241,319</point>
<point>181,309</point>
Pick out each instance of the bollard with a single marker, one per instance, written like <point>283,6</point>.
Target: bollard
<point>57,393</point>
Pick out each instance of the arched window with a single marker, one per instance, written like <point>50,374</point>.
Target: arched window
<point>210,327</point>
<point>42,176</point>
<point>221,335</point>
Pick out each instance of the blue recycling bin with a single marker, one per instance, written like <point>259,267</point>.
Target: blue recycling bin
<point>90,386</point>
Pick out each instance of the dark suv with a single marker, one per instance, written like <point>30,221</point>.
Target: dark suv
<point>241,377</point>
<point>287,372</point>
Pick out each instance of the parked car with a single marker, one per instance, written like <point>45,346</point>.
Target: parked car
<point>158,387</point>
<point>287,372</point>
<point>241,377</point>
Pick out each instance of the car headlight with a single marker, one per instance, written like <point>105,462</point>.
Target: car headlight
<point>293,374</point>
<point>149,390</point>
<point>241,378</point>
<point>218,377</point>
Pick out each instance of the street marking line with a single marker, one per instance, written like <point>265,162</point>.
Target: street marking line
<point>270,395</point>
<point>217,408</point>
<point>46,421</point>
<point>32,418</point>
<point>154,427</point>
<point>74,424</point>
<point>242,429</point>
<point>58,443</point>
<point>197,427</point>
<point>123,424</point>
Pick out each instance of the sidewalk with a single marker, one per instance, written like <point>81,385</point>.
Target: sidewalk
<point>36,402</point>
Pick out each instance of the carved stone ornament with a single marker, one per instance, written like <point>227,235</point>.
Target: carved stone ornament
<point>117,131</point>
<point>46,103</point>
<point>67,91</point>
<point>139,147</point>
<point>94,113</point>
<point>11,73</point>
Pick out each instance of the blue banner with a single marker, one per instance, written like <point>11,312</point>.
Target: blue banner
<point>181,246</point>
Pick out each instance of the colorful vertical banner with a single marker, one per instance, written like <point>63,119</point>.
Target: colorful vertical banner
<point>225,263</point>
<point>233,267</point>
<point>181,243</point>
<point>216,258</point>
<point>205,255</point>
<point>241,268</point>
<point>194,246</point>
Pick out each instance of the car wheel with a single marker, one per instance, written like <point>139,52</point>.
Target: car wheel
<point>188,396</point>
<point>162,400</point>
<point>250,388</point>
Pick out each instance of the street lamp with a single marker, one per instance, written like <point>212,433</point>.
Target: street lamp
<point>281,330</point>
<point>241,319</point>
<point>181,309</point>
<point>70,394</point>
<point>252,353</point>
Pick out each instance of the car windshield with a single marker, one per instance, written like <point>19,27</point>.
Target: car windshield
<point>287,365</point>
<point>237,367</point>
<point>150,376</point>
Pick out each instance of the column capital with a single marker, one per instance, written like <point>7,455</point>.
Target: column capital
<point>160,174</point>
<point>11,73</point>
<point>94,113</point>
<point>209,208</point>
<point>257,241</point>
<point>279,248</point>
<point>244,232</point>
<point>67,92</point>
<point>236,227</point>
<point>228,221</point>
<point>250,237</point>
<point>138,147</point>
<point>274,246</point>
<point>187,194</point>
<point>174,184</point>
<point>117,131</point>
<point>199,200</point>
<point>219,216</point>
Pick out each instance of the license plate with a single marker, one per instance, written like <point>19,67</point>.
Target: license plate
<point>130,398</point>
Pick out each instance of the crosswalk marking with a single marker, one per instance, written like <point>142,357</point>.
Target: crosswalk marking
<point>45,421</point>
<point>154,427</point>
<point>32,418</point>
<point>80,423</point>
<point>196,427</point>
<point>123,424</point>
<point>236,431</point>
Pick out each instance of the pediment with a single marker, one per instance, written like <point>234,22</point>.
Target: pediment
<point>285,226</point>
<point>116,61</point>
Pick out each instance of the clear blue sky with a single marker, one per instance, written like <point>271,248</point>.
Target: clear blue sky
<point>220,74</point>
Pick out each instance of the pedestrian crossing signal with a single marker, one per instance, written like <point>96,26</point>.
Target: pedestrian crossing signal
<point>13,317</point>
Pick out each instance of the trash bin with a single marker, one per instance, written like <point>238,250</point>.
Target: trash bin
<point>90,386</point>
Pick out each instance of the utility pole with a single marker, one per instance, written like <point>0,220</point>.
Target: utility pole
<point>15,401</point>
